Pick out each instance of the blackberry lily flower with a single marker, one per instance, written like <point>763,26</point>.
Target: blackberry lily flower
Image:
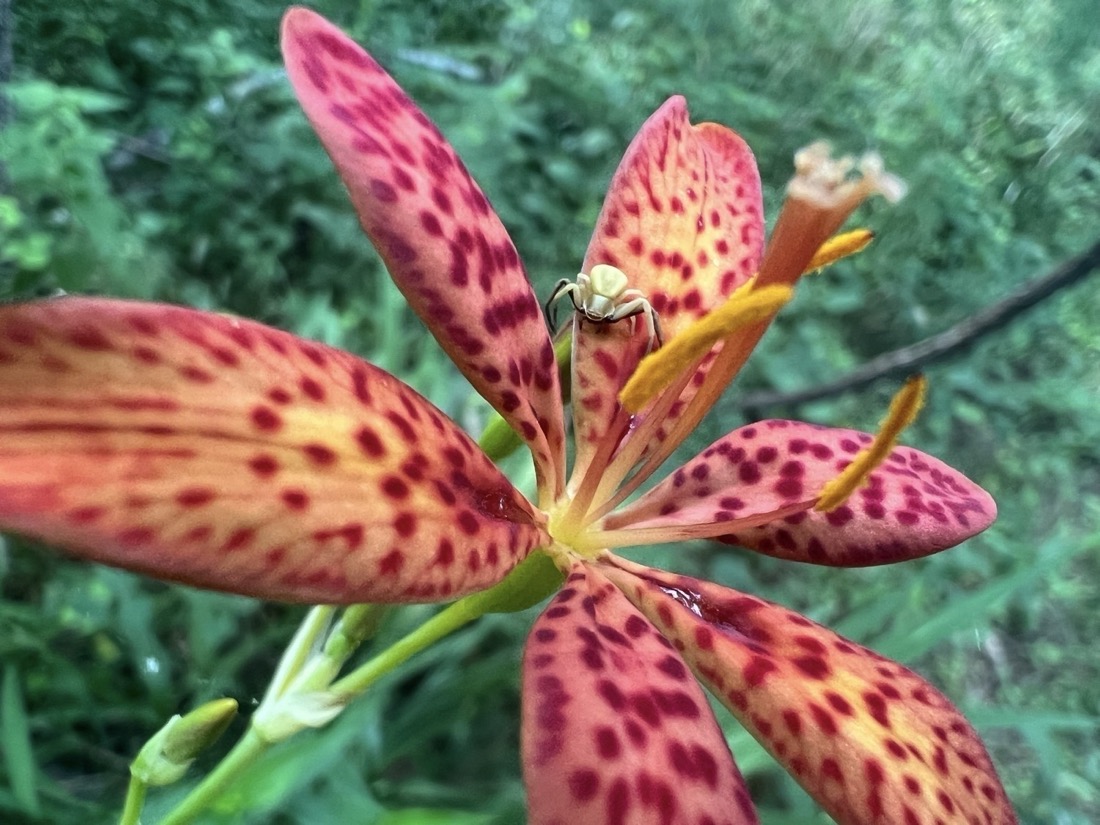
<point>224,454</point>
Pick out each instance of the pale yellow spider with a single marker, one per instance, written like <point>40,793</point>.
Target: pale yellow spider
<point>602,297</point>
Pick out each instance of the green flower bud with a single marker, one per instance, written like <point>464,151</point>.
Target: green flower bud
<point>168,754</point>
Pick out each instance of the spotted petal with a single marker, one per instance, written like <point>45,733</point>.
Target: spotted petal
<point>683,219</point>
<point>441,240</point>
<point>615,728</point>
<point>872,741</point>
<point>229,455</point>
<point>911,506</point>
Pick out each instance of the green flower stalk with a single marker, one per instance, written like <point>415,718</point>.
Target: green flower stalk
<point>165,758</point>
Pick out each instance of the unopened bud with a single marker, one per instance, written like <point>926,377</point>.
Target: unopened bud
<point>168,754</point>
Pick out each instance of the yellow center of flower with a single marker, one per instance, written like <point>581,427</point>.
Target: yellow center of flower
<point>572,537</point>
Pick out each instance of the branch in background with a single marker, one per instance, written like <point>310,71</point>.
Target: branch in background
<point>442,63</point>
<point>912,358</point>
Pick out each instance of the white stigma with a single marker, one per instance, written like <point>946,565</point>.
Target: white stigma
<point>828,182</point>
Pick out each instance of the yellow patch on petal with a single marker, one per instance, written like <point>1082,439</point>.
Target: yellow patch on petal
<point>840,246</point>
<point>658,370</point>
<point>903,411</point>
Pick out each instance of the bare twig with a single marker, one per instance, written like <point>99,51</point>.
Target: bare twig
<point>912,358</point>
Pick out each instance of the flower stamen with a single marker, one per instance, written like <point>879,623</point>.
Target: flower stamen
<point>838,247</point>
<point>618,482</point>
<point>659,369</point>
<point>633,536</point>
<point>821,196</point>
<point>824,180</point>
<point>903,410</point>
<point>582,496</point>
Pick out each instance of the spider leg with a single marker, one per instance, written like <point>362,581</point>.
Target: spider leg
<point>550,309</point>
<point>651,327</point>
<point>641,306</point>
<point>628,310</point>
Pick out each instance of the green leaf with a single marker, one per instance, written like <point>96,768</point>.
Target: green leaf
<point>15,739</point>
<point>1027,719</point>
<point>914,634</point>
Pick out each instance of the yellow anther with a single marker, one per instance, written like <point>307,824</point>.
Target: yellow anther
<point>659,369</point>
<point>903,410</point>
<point>840,246</point>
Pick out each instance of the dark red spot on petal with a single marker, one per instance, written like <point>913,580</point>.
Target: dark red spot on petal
<point>319,454</point>
<point>194,496</point>
<point>295,499</point>
<point>263,465</point>
<point>312,389</point>
<point>584,784</point>
<point>391,563</point>
<point>266,419</point>
<point>395,487</point>
<point>370,443</point>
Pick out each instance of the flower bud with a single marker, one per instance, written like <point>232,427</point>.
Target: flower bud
<point>168,754</point>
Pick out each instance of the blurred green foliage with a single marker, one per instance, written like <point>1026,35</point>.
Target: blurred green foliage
<point>156,152</point>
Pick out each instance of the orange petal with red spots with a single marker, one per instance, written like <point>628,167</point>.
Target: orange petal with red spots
<point>228,455</point>
<point>441,240</point>
<point>683,219</point>
<point>869,739</point>
<point>910,506</point>
<point>615,728</point>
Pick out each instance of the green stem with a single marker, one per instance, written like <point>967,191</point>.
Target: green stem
<point>443,623</point>
<point>298,652</point>
<point>135,801</point>
<point>251,746</point>
<point>247,750</point>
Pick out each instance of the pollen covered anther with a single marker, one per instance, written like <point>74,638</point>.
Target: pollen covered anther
<point>839,247</point>
<point>658,370</point>
<point>903,411</point>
